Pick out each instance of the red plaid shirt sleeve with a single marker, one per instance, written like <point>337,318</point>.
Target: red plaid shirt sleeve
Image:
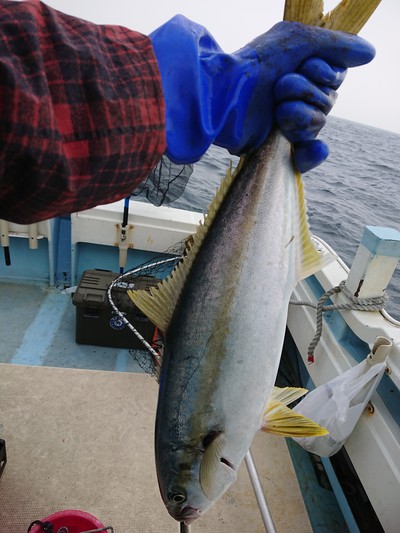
<point>81,112</point>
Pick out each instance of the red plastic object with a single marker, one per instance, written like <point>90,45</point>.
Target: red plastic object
<point>75,521</point>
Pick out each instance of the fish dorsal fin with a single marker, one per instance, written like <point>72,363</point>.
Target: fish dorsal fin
<point>309,260</point>
<point>159,303</point>
<point>280,420</point>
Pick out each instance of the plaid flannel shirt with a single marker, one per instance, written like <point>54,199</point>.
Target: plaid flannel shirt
<point>81,112</point>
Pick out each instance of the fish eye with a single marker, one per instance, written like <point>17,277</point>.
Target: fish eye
<point>177,496</point>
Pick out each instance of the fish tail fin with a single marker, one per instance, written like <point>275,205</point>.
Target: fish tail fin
<point>346,16</point>
<point>280,420</point>
<point>309,259</point>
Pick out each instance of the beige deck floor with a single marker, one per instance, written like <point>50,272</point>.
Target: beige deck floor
<point>84,439</point>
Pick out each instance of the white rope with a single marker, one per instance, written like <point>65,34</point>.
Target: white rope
<point>119,282</point>
<point>354,303</point>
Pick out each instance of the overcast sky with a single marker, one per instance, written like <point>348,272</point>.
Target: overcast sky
<point>369,95</point>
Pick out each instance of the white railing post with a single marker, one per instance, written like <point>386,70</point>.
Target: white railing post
<point>376,259</point>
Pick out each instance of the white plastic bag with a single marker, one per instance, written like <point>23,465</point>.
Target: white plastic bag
<point>338,404</point>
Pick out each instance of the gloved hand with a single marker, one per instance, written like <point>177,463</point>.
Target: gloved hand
<point>287,76</point>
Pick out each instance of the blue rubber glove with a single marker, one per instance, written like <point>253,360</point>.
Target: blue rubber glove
<point>303,101</point>
<point>287,76</point>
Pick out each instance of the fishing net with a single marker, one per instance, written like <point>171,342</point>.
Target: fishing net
<point>165,183</point>
<point>146,275</point>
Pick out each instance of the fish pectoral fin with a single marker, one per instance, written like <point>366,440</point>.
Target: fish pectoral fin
<point>280,420</point>
<point>214,468</point>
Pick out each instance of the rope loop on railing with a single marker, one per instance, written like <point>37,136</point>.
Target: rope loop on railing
<point>354,303</point>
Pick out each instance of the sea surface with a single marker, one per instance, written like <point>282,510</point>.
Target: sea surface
<point>358,185</point>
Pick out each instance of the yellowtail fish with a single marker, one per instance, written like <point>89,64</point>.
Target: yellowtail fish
<point>223,314</point>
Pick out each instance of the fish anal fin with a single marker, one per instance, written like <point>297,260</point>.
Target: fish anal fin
<point>309,260</point>
<point>280,420</point>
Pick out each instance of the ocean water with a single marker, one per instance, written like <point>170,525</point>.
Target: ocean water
<point>358,185</point>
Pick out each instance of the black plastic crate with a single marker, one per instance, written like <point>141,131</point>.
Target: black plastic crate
<point>96,322</point>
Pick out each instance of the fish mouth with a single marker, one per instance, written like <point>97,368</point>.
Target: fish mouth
<point>188,515</point>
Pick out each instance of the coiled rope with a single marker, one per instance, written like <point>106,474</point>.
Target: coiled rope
<point>354,303</point>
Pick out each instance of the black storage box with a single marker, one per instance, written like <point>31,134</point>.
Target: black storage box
<point>96,322</point>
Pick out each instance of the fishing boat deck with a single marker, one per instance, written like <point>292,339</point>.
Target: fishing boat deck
<point>78,419</point>
<point>81,435</point>
<point>37,327</point>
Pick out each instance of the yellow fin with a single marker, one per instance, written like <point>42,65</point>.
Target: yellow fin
<point>307,11</point>
<point>350,16</point>
<point>212,470</point>
<point>159,303</point>
<point>287,395</point>
<point>309,260</point>
<point>347,16</point>
<point>280,420</point>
